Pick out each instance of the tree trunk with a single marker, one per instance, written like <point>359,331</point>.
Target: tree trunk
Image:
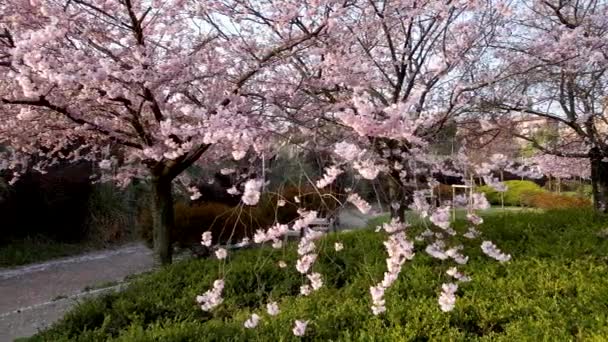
<point>163,220</point>
<point>398,202</point>
<point>599,180</point>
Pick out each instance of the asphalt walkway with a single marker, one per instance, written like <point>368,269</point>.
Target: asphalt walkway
<point>32,297</point>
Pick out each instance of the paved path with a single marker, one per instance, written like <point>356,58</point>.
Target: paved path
<point>34,296</point>
<point>351,218</point>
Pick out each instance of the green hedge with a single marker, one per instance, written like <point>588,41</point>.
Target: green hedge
<point>514,196</point>
<point>554,289</point>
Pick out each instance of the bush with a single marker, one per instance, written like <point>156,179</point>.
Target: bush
<point>226,223</point>
<point>232,224</point>
<point>53,205</point>
<point>321,200</point>
<point>112,213</point>
<point>516,189</point>
<point>548,200</point>
<point>554,289</point>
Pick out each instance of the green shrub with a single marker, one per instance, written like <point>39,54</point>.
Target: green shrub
<point>514,194</point>
<point>554,289</point>
<point>112,212</point>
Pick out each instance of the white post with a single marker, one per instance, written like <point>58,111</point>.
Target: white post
<point>453,206</point>
<point>263,172</point>
<point>502,193</point>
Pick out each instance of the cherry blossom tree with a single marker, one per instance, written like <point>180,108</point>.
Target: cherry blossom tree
<point>395,74</point>
<point>562,167</point>
<point>145,88</point>
<point>557,54</point>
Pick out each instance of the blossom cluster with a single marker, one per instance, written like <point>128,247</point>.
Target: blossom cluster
<point>274,234</point>
<point>306,258</point>
<point>359,202</point>
<point>251,194</point>
<point>212,298</point>
<point>439,245</point>
<point>331,173</point>
<point>447,299</point>
<point>399,250</point>
<point>492,251</point>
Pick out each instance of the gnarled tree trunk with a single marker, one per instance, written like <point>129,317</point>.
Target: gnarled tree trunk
<point>162,218</point>
<point>599,180</point>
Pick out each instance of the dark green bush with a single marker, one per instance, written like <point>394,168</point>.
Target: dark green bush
<point>53,205</point>
<point>554,289</point>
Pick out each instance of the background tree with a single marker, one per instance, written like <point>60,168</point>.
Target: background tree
<point>396,74</point>
<point>166,81</point>
<point>557,54</point>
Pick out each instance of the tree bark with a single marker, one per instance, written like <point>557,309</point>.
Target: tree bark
<point>397,200</point>
<point>599,180</point>
<point>163,218</point>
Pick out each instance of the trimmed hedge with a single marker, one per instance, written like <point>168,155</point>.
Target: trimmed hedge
<point>514,196</point>
<point>554,289</point>
<point>548,200</point>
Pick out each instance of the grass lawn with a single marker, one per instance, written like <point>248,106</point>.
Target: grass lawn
<point>461,214</point>
<point>32,250</point>
<point>554,289</point>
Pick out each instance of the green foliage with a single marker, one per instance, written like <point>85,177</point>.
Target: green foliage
<point>36,249</point>
<point>554,289</point>
<point>110,217</point>
<point>514,194</point>
<point>545,136</point>
<point>112,213</point>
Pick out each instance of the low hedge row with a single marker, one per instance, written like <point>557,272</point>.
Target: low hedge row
<point>548,200</point>
<point>529,194</point>
<point>514,194</point>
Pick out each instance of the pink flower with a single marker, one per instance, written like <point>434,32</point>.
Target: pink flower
<point>272,308</point>
<point>206,239</point>
<point>105,164</point>
<point>378,303</point>
<point>331,173</point>
<point>492,251</point>
<point>359,202</point>
<point>251,195</point>
<point>299,328</point>
<point>252,322</point>
<point>447,299</point>
<point>305,290</point>
<point>221,253</point>
<point>305,262</point>
<point>316,280</point>
<point>213,297</point>
<point>441,217</point>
